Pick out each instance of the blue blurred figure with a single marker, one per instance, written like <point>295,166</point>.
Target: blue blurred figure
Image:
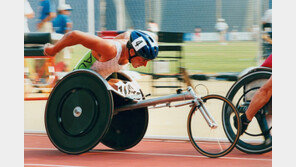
<point>47,13</point>
<point>29,14</point>
<point>62,23</point>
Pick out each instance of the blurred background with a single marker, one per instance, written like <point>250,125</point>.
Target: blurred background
<point>170,15</point>
<point>204,51</point>
<point>215,40</point>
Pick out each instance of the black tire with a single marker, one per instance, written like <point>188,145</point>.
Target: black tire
<point>78,112</point>
<point>244,145</point>
<point>127,128</point>
<point>198,141</point>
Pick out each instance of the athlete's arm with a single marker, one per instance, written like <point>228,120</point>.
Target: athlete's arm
<point>99,46</point>
<point>260,98</point>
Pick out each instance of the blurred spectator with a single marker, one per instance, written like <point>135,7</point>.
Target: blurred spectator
<point>152,26</point>
<point>221,27</point>
<point>267,33</point>
<point>47,13</point>
<point>267,25</point>
<point>261,98</point>
<point>267,20</point>
<point>197,32</point>
<point>62,23</point>
<point>29,14</point>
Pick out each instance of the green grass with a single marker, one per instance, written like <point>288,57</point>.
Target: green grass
<point>206,57</point>
<point>213,57</point>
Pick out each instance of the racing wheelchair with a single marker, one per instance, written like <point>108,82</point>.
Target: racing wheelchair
<point>84,110</point>
<point>258,137</point>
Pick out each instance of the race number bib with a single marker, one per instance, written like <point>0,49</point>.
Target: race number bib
<point>129,89</point>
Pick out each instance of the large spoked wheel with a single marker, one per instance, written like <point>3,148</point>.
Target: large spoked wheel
<point>78,112</point>
<point>257,139</point>
<point>212,142</point>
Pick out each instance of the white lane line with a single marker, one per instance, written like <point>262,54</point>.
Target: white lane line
<point>180,155</point>
<point>158,154</point>
<point>51,165</point>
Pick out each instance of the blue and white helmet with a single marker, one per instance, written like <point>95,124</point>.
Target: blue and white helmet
<point>144,44</point>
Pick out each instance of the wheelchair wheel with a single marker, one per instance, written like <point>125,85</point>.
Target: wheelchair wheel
<point>257,139</point>
<point>78,112</point>
<point>127,128</point>
<point>212,141</point>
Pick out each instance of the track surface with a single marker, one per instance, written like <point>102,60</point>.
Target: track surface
<point>39,151</point>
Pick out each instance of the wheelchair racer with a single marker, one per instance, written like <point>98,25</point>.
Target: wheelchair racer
<point>260,98</point>
<point>110,55</point>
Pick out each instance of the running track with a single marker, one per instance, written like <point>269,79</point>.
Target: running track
<point>38,151</point>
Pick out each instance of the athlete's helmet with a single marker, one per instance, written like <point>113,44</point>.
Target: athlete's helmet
<point>144,44</point>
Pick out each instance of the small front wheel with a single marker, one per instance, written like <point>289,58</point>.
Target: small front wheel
<point>210,140</point>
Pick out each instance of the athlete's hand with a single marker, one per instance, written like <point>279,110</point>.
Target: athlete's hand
<point>48,50</point>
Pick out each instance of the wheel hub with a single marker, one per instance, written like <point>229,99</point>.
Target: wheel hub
<point>77,111</point>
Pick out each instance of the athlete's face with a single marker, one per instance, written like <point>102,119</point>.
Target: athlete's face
<point>137,61</point>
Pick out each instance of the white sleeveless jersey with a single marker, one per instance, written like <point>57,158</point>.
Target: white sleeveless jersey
<point>105,69</point>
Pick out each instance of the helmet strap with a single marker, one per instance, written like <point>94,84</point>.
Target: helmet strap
<point>129,47</point>
<point>131,57</point>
